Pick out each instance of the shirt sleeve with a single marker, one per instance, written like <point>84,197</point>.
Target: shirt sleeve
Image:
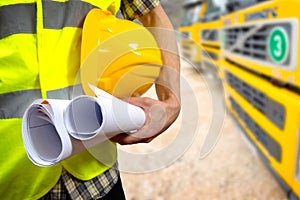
<point>133,9</point>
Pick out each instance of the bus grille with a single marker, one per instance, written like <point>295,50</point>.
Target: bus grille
<point>271,109</point>
<point>251,41</point>
<point>268,142</point>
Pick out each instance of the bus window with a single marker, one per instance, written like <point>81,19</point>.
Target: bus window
<point>215,8</point>
<point>191,15</point>
<point>235,5</point>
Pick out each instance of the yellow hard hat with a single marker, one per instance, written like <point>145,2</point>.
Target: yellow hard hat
<point>117,55</point>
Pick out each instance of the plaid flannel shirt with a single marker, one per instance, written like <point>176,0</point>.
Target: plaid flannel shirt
<point>133,9</point>
<point>71,187</point>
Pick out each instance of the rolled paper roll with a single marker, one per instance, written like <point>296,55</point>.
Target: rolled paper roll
<point>45,137</point>
<point>54,130</point>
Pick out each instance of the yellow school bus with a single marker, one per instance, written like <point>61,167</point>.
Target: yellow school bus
<point>189,41</point>
<point>260,42</point>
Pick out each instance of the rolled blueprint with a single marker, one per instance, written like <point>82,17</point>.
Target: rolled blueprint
<point>54,130</point>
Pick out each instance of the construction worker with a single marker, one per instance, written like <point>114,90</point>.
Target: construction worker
<point>39,58</point>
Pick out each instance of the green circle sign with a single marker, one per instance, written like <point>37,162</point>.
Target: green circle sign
<point>278,45</point>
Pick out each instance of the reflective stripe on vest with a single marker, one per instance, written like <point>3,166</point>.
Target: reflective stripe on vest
<point>14,104</point>
<point>21,18</point>
<point>65,93</point>
<point>18,18</point>
<point>65,14</point>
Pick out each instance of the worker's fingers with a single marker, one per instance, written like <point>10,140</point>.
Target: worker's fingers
<point>147,133</point>
<point>126,139</point>
<point>154,124</point>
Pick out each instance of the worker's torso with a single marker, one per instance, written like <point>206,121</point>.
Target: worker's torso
<point>39,58</point>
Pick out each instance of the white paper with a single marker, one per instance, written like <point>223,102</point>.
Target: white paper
<point>45,138</point>
<point>54,130</point>
<point>121,116</point>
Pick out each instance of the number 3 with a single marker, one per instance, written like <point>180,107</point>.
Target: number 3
<point>278,50</point>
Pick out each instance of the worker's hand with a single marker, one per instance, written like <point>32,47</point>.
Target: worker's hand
<point>159,116</point>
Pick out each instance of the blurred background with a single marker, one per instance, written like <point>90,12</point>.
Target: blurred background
<point>237,136</point>
<point>175,11</point>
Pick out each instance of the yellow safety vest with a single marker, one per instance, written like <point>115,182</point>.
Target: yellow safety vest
<point>39,58</point>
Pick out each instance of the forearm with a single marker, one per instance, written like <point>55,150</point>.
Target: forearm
<point>168,82</point>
